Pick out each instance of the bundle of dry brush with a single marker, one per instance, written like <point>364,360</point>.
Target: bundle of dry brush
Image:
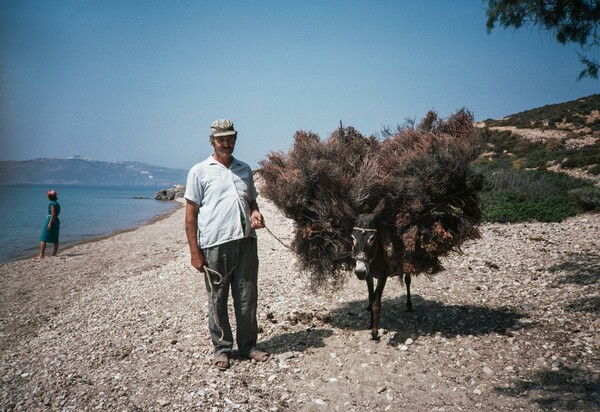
<point>432,203</point>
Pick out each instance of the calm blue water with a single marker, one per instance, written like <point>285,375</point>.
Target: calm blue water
<point>86,213</point>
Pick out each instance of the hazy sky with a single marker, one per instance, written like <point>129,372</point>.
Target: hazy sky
<point>143,80</point>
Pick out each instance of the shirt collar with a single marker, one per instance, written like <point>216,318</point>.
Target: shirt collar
<point>212,161</point>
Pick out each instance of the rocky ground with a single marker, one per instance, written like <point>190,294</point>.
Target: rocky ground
<point>120,324</point>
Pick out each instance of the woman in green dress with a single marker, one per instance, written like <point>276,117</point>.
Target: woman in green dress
<point>51,227</point>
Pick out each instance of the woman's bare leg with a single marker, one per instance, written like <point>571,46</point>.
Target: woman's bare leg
<point>42,250</point>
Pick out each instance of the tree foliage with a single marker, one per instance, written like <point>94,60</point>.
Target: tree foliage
<point>572,21</point>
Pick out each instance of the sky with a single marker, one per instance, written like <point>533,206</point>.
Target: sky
<point>141,80</point>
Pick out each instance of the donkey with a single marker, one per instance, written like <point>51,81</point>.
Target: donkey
<point>371,260</point>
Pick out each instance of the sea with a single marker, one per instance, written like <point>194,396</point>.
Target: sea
<point>86,213</point>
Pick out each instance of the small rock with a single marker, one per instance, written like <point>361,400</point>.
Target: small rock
<point>487,371</point>
<point>381,389</point>
<point>286,356</point>
<point>320,402</point>
<point>170,194</point>
<point>477,391</point>
<point>409,341</point>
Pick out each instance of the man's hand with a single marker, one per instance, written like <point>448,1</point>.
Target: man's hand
<point>198,261</point>
<point>257,221</point>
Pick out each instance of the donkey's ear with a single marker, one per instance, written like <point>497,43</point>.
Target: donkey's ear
<point>378,209</point>
<point>348,210</point>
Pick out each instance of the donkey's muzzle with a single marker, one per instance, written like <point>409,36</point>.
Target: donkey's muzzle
<point>361,270</point>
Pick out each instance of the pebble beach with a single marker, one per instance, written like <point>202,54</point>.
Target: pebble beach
<point>120,324</point>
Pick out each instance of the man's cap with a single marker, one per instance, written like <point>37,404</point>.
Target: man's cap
<point>222,127</point>
<point>51,193</point>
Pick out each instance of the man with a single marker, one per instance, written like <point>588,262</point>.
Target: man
<point>221,215</point>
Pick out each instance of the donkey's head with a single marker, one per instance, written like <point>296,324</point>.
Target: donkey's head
<point>365,238</point>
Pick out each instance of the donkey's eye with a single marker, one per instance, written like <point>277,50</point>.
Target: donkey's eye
<point>353,240</point>
<point>371,240</point>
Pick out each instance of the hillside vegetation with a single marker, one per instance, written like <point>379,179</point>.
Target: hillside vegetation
<point>542,164</point>
<point>581,115</point>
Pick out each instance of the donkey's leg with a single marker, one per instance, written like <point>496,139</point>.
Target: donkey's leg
<point>371,298</point>
<point>376,310</point>
<point>407,279</point>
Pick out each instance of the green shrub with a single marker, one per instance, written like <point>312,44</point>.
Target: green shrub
<point>595,170</point>
<point>514,207</point>
<point>571,135</point>
<point>585,156</point>
<point>576,120</point>
<point>529,182</point>
<point>511,195</point>
<point>587,197</point>
<point>554,145</point>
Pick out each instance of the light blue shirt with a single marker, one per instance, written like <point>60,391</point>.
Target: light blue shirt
<point>224,196</point>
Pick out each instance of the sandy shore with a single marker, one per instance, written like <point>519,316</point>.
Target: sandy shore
<point>120,324</point>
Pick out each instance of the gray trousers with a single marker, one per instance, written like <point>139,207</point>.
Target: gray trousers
<point>237,264</point>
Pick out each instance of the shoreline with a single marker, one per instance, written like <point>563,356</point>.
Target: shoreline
<point>151,221</point>
<point>93,239</point>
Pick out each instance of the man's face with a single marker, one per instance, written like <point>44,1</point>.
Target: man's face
<point>224,146</point>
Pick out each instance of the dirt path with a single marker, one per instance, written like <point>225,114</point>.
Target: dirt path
<point>120,324</point>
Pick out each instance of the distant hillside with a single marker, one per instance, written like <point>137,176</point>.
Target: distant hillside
<point>542,164</point>
<point>581,115</point>
<point>79,171</point>
<point>561,137</point>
